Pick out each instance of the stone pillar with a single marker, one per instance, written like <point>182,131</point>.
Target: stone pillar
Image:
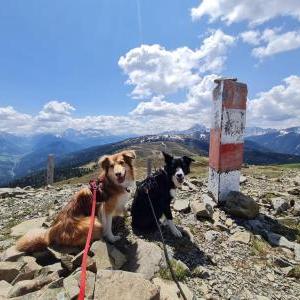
<point>226,137</point>
<point>50,169</point>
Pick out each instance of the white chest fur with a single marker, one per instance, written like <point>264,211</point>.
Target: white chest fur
<point>173,193</point>
<point>122,200</point>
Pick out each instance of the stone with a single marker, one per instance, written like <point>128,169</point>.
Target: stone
<point>10,192</point>
<point>72,282</point>
<point>10,270</point>
<point>26,226</point>
<point>169,290</point>
<point>101,256</point>
<point>30,269</point>
<point>4,288</point>
<point>206,199</point>
<point>297,251</point>
<point>279,205</point>
<point>11,254</point>
<point>124,285</point>
<point>196,182</point>
<point>243,179</point>
<point>182,205</point>
<point>77,260</point>
<point>28,286</point>
<point>229,222</point>
<point>241,237</point>
<point>202,210</point>
<point>201,272</point>
<point>117,257</point>
<point>294,191</point>
<point>145,258</point>
<point>212,235</point>
<point>241,206</point>
<point>296,209</point>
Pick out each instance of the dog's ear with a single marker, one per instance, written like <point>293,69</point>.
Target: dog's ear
<point>167,157</point>
<point>129,154</point>
<point>104,162</point>
<point>188,160</point>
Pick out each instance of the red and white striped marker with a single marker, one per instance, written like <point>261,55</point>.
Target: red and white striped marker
<point>227,137</point>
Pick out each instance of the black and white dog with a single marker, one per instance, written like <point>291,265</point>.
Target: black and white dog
<point>161,187</point>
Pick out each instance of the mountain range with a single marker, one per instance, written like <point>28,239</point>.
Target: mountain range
<point>21,156</point>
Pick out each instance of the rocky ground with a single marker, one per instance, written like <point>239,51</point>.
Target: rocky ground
<point>246,249</point>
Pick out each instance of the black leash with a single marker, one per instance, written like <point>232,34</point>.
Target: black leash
<point>165,249</point>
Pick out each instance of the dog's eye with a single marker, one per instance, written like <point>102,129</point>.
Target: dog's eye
<point>122,163</point>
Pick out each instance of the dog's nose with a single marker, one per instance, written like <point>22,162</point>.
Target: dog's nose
<point>179,175</point>
<point>118,174</point>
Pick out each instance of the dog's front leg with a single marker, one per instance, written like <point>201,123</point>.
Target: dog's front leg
<point>170,223</point>
<point>107,229</point>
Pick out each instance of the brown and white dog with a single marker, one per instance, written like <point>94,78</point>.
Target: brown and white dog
<point>71,226</point>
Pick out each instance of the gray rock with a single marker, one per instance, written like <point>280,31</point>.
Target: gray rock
<point>294,191</point>
<point>118,259</point>
<point>241,236</point>
<point>212,235</point>
<point>11,254</point>
<point>77,260</point>
<point>201,272</point>
<point>297,251</point>
<point>280,205</point>
<point>240,205</point>
<point>202,210</point>
<point>72,282</point>
<point>26,226</point>
<point>169,290</point>
<point>101,256</point>
<point>243,179</point>
<point>296,209</point>
<point>29,271</point>
<point>11,192</point>
<point>10,270</point>
<point>182,205</point>
<point>146,258</point>
<point>208,200</point>
<point>4,288</point>
<point>28,286</point>
<point>125,286</point>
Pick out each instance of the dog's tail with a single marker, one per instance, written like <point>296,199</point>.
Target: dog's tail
<point>34,240</point>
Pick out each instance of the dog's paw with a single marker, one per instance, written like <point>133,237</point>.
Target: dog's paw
<point>176,232</point>
<point>114,238</point>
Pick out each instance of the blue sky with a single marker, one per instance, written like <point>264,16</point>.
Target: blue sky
<point>60,62</point>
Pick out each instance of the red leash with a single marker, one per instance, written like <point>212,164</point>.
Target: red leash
<point>88,243</point>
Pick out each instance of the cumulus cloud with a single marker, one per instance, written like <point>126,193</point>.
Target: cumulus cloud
<point>154,70</point>
<point>271,41</point>
<point>279,107</point>
<point>252,11</point>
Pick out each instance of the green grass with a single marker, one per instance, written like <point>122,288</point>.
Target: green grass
<point>259,247</point>
<point>180,271</point>
<point>289,166</point>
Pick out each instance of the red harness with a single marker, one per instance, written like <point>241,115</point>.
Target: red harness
<point>96,188</point>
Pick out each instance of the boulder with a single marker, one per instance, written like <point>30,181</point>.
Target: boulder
<point>202,210</point>
<point>124,285</point>
<point>26,226</point>
<point>118,259</point>
<point>241,206</point>
<point>28,286</point>
<point>241,237</point>
<point>279,205</point>
<point>4,288</point>
<point>182,205</point>
<point>71,285</point>
<point>10,270</point>
<point>101,256</point>
<point>145,258</point>
<point>170,291</point>
<point>11,254</point>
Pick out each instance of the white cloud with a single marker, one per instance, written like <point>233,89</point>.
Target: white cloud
<point>155,71</point>
<point>253,11</point>
<point>279,107</point>
<point>251,37</point>
<point>277,43</point>
<point>271,41</point>
<point>55,111</point>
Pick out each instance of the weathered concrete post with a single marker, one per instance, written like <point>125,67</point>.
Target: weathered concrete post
<point>227,137</point>
<point>50,169</point>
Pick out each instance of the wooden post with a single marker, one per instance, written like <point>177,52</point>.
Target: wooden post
<point>149,166</point>
<point>50,169</point>
<point>227,137</point>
